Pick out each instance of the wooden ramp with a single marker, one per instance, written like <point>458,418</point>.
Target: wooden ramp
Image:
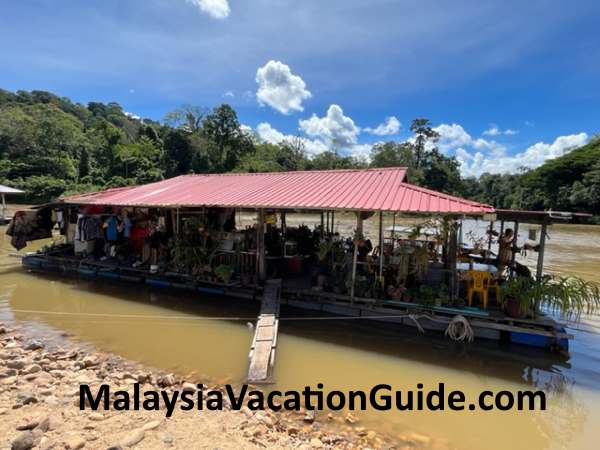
<point>262,351</point>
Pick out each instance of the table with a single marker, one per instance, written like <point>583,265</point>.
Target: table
<point>463,267</point>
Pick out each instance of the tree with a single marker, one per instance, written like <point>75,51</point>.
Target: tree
<point>222,128</point>
<point>272,158</point>
<point>392,154</point>
<point>84,163</point>
<point>330,160</point>
<point>441,173</point>
<point>186,117</point>
<point>423,134</point>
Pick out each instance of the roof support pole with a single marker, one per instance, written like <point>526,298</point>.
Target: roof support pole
<point>359,224</point>
<point>381,247</point>
<point>539,272</point>
<point>514,249</point>
<point>332,220</point>
<point>3,207</point>
<point>354,260</point>
<point>283,231</point>
<point>260,247</point>
<point>491,230</point>
<point>357,236</point>
<point>451,260</point>
<point>322,225</point>
<point>540,260</point>
<point>327,224</point>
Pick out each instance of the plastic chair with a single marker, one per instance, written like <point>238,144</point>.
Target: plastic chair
<point>495,284</point>
<point>479,281</point>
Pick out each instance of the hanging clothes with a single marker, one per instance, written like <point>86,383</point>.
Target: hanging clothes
<point>88,228</point>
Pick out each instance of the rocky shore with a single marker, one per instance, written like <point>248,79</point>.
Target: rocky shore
<point>39,408</point>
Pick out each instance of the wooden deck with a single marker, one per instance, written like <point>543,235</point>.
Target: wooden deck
<point>262,351</point>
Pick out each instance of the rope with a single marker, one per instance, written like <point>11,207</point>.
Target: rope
<point>415,319</point>
<point>459,329</point>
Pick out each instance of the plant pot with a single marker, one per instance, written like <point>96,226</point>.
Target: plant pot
<point>246,279</point>
<point>512,308</point>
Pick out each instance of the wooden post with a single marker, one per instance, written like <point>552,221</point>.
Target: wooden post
<point>332,220</point>
<point>359,224</point>
<point>380,245</point>
<point>327,224</point>
<point>260,246</point>
<point>539,272</point>
<point>490,236</point>
<point>3,208</point>
<point>451,261</point>
<point>283,231</point>
<point>354,260</point>
<point>540,260</point>
<point>514,248</point>
<point>322,225</point>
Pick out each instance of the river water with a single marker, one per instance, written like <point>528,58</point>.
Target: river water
<point>170,330</point>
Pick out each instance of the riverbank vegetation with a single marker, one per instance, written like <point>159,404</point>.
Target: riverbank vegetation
<point>50,146</point>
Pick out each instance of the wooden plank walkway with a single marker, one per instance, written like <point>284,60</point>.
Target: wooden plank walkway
<point>262,351</point>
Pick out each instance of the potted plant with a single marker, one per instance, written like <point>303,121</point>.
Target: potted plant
<point>514,298</point>
<point>224,272</point>
<point>567,297</point>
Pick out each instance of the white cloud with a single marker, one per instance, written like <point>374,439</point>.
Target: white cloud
<point>217,9</point>
<point>361,151</point>
<point>229,94</point>
<point>279,88</point>
<point>390,127</point>
<point>335,128</point>
<point>132,115</point>
<point>246,128</point>
<point>454,136</point>
<point>269,134</point>
<point>474,164</point>
<point>493,130</point>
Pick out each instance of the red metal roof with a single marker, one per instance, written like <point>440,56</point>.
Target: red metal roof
<point>364,189</point>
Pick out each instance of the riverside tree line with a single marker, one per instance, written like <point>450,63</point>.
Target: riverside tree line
<point>50,146</point>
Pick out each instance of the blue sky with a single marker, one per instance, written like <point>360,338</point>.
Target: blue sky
<point>508,83</point>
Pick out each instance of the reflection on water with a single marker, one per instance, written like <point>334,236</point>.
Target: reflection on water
<point>167,329</point>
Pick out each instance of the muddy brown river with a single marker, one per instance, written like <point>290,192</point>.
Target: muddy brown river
<point>178,331</point>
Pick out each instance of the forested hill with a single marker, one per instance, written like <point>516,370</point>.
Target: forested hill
<point>50,146</point>
<point>568,183</point>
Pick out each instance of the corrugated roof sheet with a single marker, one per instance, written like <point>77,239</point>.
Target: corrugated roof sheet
<point>365,189</point>
<point>9,190</point>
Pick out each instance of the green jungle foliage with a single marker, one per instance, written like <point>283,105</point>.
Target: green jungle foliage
<point>50,146</point>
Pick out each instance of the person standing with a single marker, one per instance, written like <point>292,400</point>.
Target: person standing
<point>506,245</point>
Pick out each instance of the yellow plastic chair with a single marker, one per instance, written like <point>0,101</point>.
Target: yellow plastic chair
<point>495,284</point>
<point>479,281</point>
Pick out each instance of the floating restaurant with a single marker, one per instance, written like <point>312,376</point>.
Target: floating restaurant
<point>234,235</point>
